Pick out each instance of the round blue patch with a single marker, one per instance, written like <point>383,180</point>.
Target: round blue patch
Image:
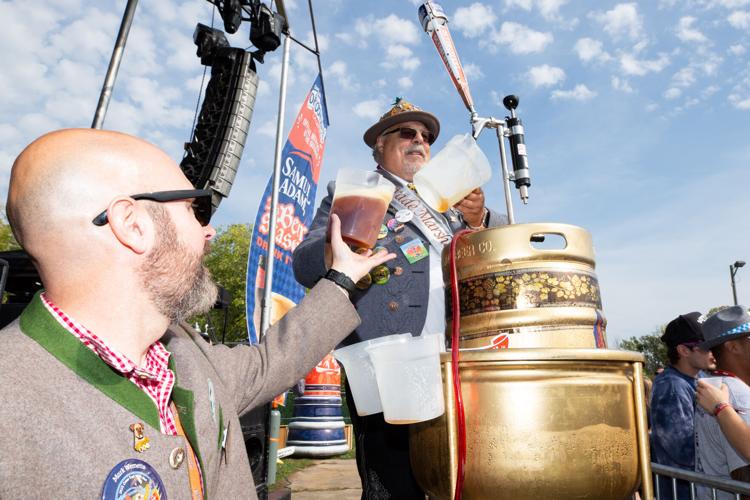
<point>133,478</point>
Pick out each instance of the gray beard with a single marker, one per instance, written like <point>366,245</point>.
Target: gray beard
<point>177,281</point>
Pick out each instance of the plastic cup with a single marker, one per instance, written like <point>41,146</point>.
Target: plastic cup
<point>458,169</point>
<point>361,374</point>
<point>361,201</point>
<point>409,379</point>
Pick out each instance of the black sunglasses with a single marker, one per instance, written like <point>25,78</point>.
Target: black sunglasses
<point>201,204</point>
<point>411,133</point>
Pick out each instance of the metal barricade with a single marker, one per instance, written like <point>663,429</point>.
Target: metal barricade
<point>716,484</point>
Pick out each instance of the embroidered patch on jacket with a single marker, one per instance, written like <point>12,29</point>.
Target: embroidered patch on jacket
<point>133,478</point>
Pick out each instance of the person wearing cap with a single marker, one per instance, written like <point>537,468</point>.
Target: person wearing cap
<point>408,294</point>
<point>673,399</point>
<point>727,334</point>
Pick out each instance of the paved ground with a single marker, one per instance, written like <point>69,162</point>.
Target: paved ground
<point>326,479</point>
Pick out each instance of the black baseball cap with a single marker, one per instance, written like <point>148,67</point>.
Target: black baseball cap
<point>684,329</point>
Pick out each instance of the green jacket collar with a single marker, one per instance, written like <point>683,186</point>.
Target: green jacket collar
<point>38,324</point>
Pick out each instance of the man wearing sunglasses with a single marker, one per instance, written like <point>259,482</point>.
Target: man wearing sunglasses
<point>408,294</point>
<point>673,399</point>
<point>106,391</point>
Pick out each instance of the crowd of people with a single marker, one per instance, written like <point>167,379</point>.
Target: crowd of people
<point>105,349</point>
<point>700,403</point>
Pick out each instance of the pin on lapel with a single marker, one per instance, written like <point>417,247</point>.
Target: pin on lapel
<point>212,399</point>
<point>140,441</point>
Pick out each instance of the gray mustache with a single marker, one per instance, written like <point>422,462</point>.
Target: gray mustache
<point>415,149</point>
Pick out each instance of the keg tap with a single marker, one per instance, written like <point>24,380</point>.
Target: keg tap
<point>435,23</point>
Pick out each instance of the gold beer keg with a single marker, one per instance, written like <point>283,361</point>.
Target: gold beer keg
<point>515,295</point>
<point>540,424</point>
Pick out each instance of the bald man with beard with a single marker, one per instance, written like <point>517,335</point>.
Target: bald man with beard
<point>105,390</point>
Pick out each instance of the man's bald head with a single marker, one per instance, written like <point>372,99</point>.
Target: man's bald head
<point>65,178</point>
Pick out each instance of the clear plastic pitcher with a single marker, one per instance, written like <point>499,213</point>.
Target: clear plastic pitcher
<point>361,374</point>
<point>361,200</point>
<point>454,172</point>
<point>409,379</point>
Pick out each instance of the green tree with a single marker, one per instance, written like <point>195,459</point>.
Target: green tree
<point>7,240</point>
<point>715,310</point>
<point>651,347</point>
<point>227,261</point>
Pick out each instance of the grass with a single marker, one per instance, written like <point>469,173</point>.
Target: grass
<point>292,465</point>
<point>287,468</point>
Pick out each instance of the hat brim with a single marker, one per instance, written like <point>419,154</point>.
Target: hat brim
<point>428,119</point>
<point>710,344</point>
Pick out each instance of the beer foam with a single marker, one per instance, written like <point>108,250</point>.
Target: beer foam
<point>383,192</point>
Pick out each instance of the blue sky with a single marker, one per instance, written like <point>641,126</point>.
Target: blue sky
<point>636,113</point>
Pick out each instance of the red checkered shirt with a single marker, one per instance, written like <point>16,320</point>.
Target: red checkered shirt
<point>154,378</point>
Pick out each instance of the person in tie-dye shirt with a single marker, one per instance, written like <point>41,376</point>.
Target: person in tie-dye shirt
<point>673,399</point>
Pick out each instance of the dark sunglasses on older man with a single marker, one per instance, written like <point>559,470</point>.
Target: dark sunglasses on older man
<point>410,133</point>
<point>201,203</point>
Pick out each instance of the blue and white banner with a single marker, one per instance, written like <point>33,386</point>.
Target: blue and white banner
<point>301,160</point>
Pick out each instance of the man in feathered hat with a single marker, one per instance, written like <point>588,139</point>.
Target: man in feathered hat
<point>407,295</point>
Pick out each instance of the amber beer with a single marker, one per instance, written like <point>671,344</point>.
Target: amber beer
<point>360,201</point>
<point>361,218</point>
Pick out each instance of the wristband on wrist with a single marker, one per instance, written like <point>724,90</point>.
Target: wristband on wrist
<point>341,280</point>
<point>720,407</point>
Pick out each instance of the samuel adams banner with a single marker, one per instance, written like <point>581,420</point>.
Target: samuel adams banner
<point>300,170</point>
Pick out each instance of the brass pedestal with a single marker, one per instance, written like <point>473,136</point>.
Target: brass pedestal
<point>540,424</point>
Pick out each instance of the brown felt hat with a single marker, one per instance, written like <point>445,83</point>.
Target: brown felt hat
<point>402,111</point>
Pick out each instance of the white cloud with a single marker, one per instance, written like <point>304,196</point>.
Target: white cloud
<point>709,91</point>
<point>523,4</point>
<point>405,83</point>
<point>687,33</point>
<point>323,41</point>
<point>589,49</point>
<point>549,9</point>
<point>739,102</point>
<point>521,39</point>
<point>685,77</point>
<point>388,29</point>
<point>579,93</point>
<point>545,75</point>
<point>622,85</point>
<point>710,63</point>
<point>474,20</point>
<point>672,93</point>
<point>739,19</point>
<point>370,109</point>
<point>729,4</point>
<point>622,20</point>
<point>497,99</point>
<point>400,56</point>
<point>639,67</point>
<point>473,71</point>
<point>267,128</point>
<point>339,70</point>
<point>347,38</point>
<point>737,49</point>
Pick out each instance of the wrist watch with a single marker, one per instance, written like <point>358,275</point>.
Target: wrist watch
<point>483,224</point>
<point>341,280</point>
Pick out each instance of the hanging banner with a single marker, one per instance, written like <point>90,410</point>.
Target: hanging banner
<point>301,159</point>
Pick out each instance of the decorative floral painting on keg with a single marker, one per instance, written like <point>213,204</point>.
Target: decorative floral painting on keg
<point>528,288</point>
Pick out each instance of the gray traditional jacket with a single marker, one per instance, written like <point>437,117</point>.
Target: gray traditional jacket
<point>65,415</point>
<point>398,306</point>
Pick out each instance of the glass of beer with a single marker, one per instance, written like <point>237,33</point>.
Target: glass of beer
<point>361,200</point>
